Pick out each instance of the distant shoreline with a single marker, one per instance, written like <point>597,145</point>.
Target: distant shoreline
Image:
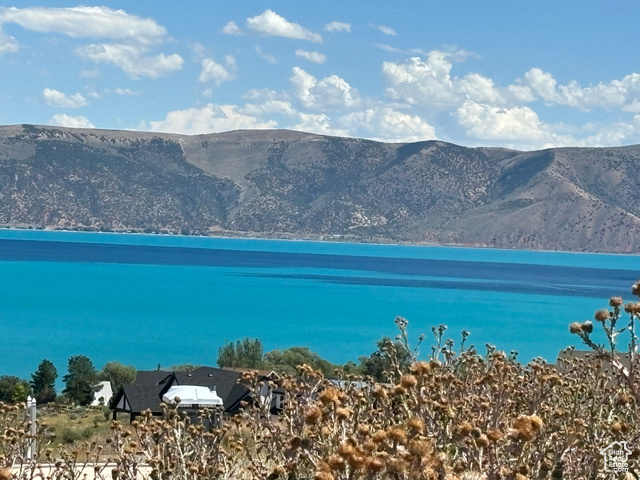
<point>328,239</point>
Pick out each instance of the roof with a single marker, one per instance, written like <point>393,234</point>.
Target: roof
<point>143,393</point>
<point>150,377</point>
<point>237,394</point>
<point>149,387</point>
<point>224,381</point>
<point>138,398</point>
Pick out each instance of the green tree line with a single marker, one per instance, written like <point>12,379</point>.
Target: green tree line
<point>249,353</point>
<point>80,382</point>
<point>82,377</point>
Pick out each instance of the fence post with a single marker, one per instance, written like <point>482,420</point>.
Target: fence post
<point>31,416</point>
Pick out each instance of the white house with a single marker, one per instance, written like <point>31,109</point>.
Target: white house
<point>103,395</point>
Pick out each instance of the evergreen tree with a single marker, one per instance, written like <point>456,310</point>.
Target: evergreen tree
<point>245,353</point>
<point>43,382</point>
<point>81,380</point>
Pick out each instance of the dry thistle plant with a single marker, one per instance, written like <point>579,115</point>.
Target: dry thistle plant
<point>625,365</point>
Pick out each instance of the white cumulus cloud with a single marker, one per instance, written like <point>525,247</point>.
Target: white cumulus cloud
<point>503,115</point>
<point>64,120</point>
<point>86,22</point>
<point>542,84</point>
<point>271,24</point>
<point>422,81</point>
<point>489,122</point>
<point>56,98</point>
<point>313,57</point>
<point>623,93</point>
<point>216,72</point>
<point>263,94</point>
<point>480,89</point>
<point>8,44</point>
<point>377,123</point>
<point>517,126</point>
<point>330,93</point>
<point>429,82</point>
<point>231,28</point>
<point>269,107</point>
<point>131,59</point>
<point>269,102</point>
<point>337,26</point>
<point>317,123</point>
<point>388,125</point>
<point>618,133</point>
<point>208,119</point>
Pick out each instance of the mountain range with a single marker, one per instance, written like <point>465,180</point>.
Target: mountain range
<point>281,183</point>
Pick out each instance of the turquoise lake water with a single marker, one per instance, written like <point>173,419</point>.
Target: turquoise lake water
<point>147,300</point>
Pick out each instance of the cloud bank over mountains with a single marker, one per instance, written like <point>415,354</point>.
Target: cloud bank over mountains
<point>413,94</point>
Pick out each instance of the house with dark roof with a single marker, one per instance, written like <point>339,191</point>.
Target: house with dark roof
<point>149,387</point>
<point>224,382</point>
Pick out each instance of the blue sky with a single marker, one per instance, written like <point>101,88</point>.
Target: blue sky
<point>515,74</point>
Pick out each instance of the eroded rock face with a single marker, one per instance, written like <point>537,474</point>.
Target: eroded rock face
<point>282,182</point>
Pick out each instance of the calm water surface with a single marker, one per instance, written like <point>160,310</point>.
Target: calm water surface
<point>147,300</point>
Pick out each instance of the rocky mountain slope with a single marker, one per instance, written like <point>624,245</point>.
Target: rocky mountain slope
<point>281,183</point>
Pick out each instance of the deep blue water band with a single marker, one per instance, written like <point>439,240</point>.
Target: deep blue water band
<point>485,276</point>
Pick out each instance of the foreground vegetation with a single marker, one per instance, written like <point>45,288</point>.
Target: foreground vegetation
<point>459,415</point>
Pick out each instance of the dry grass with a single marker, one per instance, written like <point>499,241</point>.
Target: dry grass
<point>71,425</point>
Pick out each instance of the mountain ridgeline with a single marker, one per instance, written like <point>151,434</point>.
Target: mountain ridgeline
<point>282,183</point>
